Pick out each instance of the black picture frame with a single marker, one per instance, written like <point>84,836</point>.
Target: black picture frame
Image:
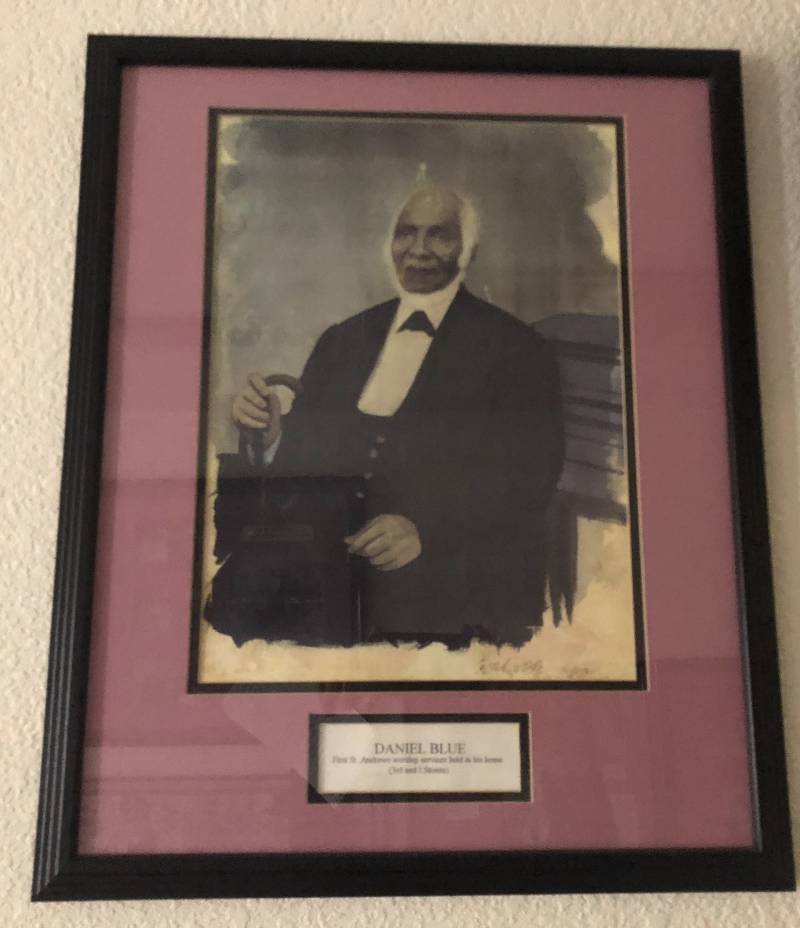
<point>60,871</point>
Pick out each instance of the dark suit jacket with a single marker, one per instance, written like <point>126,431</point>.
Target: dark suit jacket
<point>472,457</point>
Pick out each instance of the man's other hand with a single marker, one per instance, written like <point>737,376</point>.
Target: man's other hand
<point>389,541</point>
<point>258,407</point>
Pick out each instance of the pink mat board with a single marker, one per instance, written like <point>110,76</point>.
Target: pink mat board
<point>167,771</point>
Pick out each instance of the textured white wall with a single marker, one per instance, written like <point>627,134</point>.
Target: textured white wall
<point>41,71</point>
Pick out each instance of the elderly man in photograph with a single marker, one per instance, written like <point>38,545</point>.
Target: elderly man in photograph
<point>449,407</point>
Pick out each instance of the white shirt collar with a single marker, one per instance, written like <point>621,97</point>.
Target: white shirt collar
<point>434,305</point>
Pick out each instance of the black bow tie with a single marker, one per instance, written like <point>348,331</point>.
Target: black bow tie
<point>418,322</point>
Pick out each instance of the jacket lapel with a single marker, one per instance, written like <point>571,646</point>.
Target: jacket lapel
<point>374,329</point>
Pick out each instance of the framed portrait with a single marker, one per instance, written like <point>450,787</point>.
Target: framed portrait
<point>413,531</point>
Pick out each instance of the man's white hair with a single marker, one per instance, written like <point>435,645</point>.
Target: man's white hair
<point>467,218</point>
<point>470,228</point>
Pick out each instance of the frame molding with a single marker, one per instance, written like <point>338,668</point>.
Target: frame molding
<point>60,873</point>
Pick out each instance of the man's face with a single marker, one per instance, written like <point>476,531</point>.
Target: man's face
<point>426,244</point>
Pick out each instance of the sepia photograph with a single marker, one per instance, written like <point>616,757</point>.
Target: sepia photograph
<point>417,457</point>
